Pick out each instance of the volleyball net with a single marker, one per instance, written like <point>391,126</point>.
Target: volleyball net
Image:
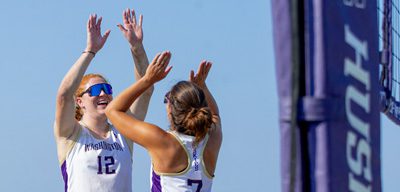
<point>389,46</point>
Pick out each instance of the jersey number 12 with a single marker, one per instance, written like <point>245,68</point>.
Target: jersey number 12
<point>108,163</point>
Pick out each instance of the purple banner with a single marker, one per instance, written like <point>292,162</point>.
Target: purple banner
<point>338,111</point>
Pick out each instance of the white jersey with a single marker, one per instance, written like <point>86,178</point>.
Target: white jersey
<point>98,165</point>
<point>195,178</point>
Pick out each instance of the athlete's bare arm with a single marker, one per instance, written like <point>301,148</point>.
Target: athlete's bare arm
<point>65,125</point>
<point>145,134</point>
<point>65,105</point>
<point>215,140</point>
<point>133,32</point>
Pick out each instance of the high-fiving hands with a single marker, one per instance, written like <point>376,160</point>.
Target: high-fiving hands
<point>158,69</point>
<point>132,30</point>
<point>95,41</point>
<point>200,77</point>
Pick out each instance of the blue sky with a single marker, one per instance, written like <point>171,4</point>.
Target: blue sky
<point>40,40</point>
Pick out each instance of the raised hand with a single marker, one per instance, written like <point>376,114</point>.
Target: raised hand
<point>200,77</point>
<point>132,30</point>
<point>95,41</point>
<point>158,69</point>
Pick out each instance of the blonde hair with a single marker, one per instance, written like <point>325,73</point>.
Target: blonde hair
<point>81,89</point>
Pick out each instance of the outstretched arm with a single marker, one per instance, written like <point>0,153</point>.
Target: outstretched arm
<point>200,79</point>
<point>133,33</point>
<point>145,134</point>
<point>65,122</point>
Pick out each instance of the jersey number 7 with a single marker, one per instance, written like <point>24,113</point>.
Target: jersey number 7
<point>199,183</point>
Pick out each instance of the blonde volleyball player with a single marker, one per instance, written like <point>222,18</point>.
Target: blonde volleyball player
<point>183,158</point>
<point>92,154</point>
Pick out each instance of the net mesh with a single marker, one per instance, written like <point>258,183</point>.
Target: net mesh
<point>389,43</point>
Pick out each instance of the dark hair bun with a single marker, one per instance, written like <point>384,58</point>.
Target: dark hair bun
<point>189,110</point>
<point>198,121</point>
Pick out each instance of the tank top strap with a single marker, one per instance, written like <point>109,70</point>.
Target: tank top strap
<point>188,141</point>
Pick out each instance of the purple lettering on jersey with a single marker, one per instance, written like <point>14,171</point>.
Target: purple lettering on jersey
<point>103,146</point>
<point>156,186</point>
<point>196,162</point>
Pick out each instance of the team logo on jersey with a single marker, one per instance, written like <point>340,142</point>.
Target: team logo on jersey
<point>195,159</point>
<point>103,146</point>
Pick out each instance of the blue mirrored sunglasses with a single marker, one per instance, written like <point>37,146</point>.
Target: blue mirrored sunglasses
<point>95,90</point>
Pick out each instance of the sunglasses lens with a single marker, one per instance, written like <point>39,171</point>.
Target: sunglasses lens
<point>95,90</point>
<point>107,89</point>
